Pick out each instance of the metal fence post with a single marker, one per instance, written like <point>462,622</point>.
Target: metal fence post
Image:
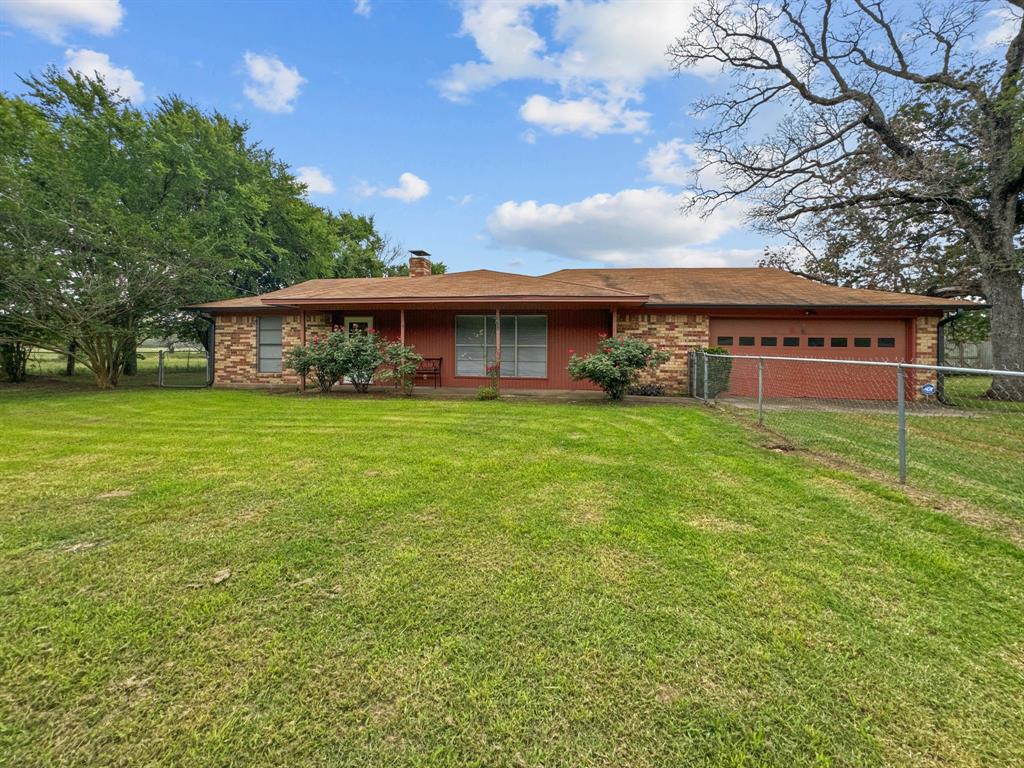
<point>760,391</point>
<point>705,355</point>
<point>901,409</point>
<point>160,370</point>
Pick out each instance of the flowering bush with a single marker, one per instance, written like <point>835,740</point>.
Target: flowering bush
<point>320,359</point>
<point>616,365</point>
<point>400,364</point>
<point>360,356</point>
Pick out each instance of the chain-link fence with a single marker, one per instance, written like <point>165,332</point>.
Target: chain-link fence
<point>183,368</point>
<point>958,431</point>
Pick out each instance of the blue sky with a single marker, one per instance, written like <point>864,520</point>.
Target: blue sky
<point>523,137</point>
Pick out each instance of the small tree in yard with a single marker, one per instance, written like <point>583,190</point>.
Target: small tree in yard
<point>360,356</point>
<point>616,365</point>
<point>14,358</point>
<point>400,365</point>
<point>320,359</point>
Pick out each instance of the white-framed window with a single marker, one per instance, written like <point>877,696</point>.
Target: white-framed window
<point>524,345</point>
<point>268,344</point>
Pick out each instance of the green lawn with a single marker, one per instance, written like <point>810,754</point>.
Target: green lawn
<point>202,577</point>
<point>973,457</point>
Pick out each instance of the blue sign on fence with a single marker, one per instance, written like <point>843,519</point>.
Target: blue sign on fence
<point>928,389</point>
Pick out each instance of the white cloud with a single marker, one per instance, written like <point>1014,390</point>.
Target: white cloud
<point>585,116</point>
<point>599,55</point>
<point>461,201</point>
<point>671,162</point>
<point>272,84</point>
<point>362,7</point>
<point>633,227</point>
<point>316,181</point>
<point>53,19</point>
<point>1006,24</point>
<point>680,164</point>
<point>91,63</point>
<point>410,189</point>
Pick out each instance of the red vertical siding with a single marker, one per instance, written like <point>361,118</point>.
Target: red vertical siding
<point>797,379</point>
<point>432,334</point>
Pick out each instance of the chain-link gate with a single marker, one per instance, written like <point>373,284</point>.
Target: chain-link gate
<point>183,369</point>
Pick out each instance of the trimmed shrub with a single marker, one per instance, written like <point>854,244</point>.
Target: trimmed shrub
<point>320,360</point>
<point>719,371</point>
<point>360,356</point>
<point>647,390</point>
<point>487,393</point>
<point>616,365</point>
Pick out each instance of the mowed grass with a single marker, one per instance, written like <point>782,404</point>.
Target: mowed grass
<point>229,578</point>
<point>977,458</point>
<point>971,450</point>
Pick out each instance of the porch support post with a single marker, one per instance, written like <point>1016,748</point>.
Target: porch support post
<point>497,346</point>
<point>401,326</point>
<point>615,321</point>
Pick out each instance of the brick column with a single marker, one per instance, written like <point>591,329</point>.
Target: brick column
<point>676,334</point>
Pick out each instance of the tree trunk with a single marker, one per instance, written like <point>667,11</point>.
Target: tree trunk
<point>1004,294</point>
<point>131,358</point>
<point>69,364</point>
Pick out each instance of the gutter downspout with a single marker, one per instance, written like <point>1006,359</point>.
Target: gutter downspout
<point>211,340</point>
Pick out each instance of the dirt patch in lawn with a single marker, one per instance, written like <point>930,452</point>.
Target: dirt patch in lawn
<point>117,494</point>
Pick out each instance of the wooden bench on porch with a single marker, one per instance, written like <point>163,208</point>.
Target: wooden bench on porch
<point>430,369</point>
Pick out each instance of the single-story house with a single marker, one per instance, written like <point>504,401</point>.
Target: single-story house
<point>456,318</point>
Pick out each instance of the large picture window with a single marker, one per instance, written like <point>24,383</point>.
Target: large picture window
<point>268,344</point>
<point>524,345</point>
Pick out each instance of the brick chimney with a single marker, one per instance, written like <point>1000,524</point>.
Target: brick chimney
<point>419,264</point>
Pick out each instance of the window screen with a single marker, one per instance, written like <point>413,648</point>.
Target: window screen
<point>769,341</point>
<point>524,345</point>
<point>838,341</point>
<point>815,341</point>
<point>725,341</point>
<point>887,341</point>
<point>862,341</point>
<point>746,341</point>
<point>791,341</point>
<point>268,344</point>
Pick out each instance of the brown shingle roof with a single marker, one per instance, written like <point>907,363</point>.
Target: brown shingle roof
<point>245,302</point>
<point>744,287</point>
<point>480,285</point>
<point>711,287</point>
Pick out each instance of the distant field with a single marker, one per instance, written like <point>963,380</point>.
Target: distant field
<point>198,577</point>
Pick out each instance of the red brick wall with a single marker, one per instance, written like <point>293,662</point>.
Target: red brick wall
<point>235,352</point>
<point>676,334</point>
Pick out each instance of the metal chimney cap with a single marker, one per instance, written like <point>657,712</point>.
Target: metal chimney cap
<point>422,254</point>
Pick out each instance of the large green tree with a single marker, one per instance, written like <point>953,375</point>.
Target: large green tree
<point>112,218</point>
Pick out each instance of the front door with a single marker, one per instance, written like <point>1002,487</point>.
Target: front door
<point>353,324</point>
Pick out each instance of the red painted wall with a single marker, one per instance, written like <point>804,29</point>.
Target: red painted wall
<point>796,379</point>
<point>432,334</point>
